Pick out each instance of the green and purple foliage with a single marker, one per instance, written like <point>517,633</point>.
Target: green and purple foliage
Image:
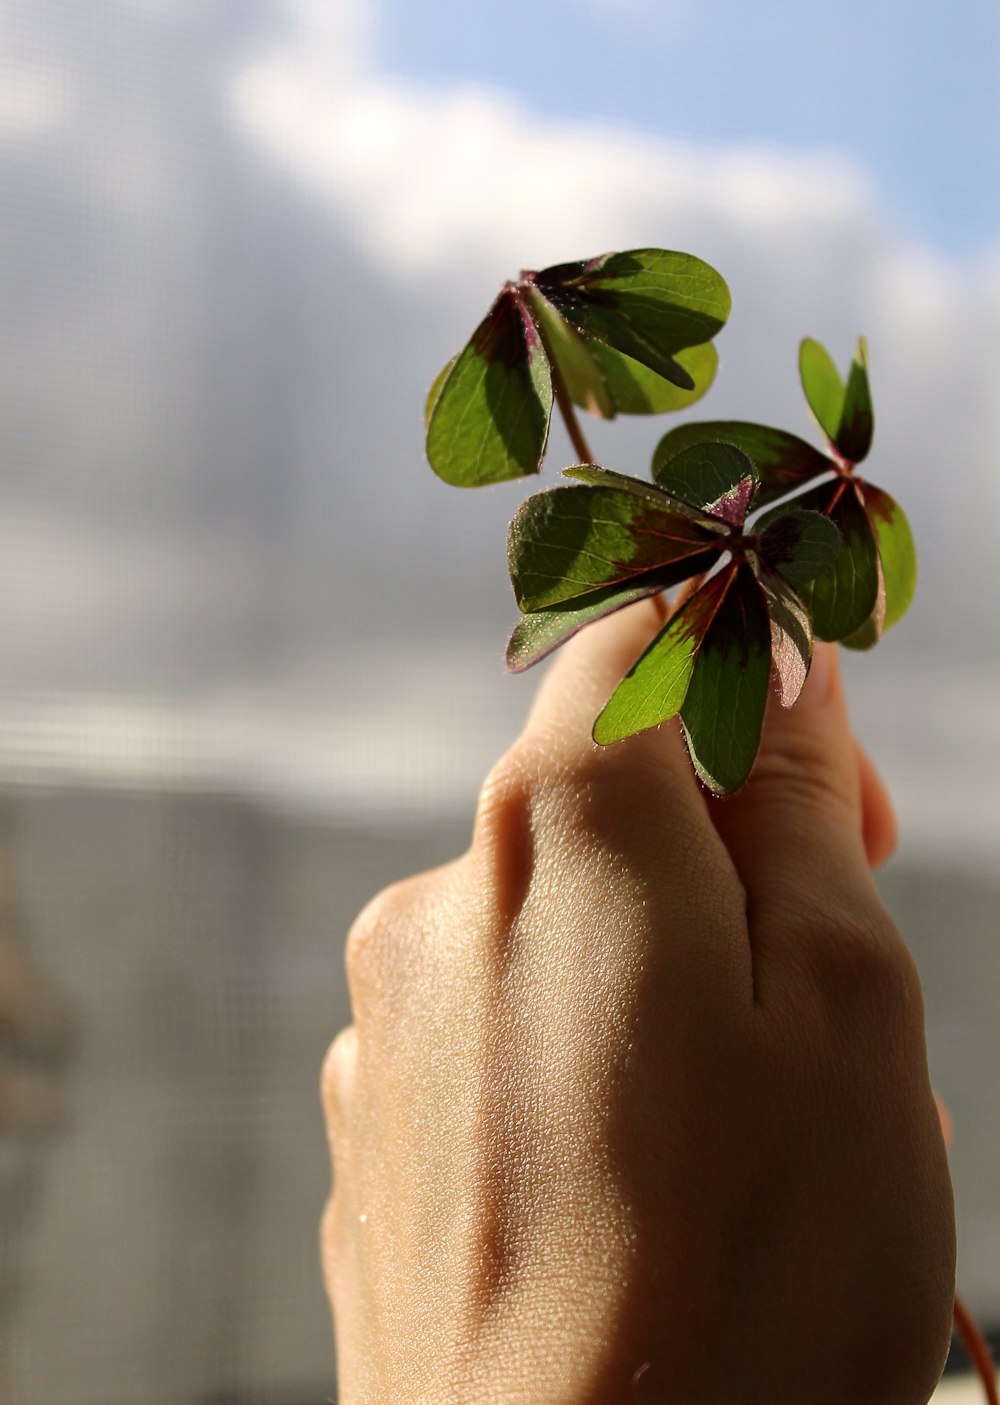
<point>632,333</point>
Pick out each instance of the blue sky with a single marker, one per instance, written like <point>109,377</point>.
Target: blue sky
<point>910,91</point>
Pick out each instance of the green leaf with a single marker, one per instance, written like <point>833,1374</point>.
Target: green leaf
<point>567,542</point>
<point>600,477</point>
<point>716,477</point>
<point>867,636</point>
<point>783,461</point>
<point>636,390</point>
<point>573,355</point>
<point>842,598</point>
<point>869,633</point>
<point>490,420</point>
<point>822,386</point>
<point>648,304</point>
<point>537,634</point>
<point>723,712</point>
<point>605,382</point>
<point>791,636</point>
<point>435,389</point>
<point>896,551</point>
<point>844,413</point>
<point>857,420</point>
<point>800,545</point>
<point>655,686</point>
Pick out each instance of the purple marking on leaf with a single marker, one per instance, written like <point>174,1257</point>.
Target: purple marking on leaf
<point>878,503</point>
<point>531,336</point>
<point>699,611</point>
<point>502,335</point>
<point>733,506</point>
<point>573,273</point>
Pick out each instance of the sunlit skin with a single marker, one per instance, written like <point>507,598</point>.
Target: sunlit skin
<point>635,1103</point>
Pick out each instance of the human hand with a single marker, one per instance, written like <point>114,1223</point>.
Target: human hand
<point>635,1104</point>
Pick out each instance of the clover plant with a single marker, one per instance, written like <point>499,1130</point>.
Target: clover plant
<point>773,541</point>
<point>779,541</point>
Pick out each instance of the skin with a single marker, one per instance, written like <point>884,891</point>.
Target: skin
<point>635,1103</point>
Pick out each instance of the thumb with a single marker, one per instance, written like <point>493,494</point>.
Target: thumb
<point>795,831</point>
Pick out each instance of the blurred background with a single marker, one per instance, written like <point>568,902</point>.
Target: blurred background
<point>250,647</point>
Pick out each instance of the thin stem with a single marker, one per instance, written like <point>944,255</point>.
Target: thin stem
<point>564,400</point>
<point>568,412</point>
<point>979,1352</point>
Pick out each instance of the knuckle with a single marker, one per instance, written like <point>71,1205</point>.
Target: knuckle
<point>861,959</point>
<point>510,784</point>
<point>503,845</point>
<point>539,781</point>
<point>796,786</point>
<point>799,754</point>
<point>534,793</point>
<point>337,1072</point>
<point>375,931</point>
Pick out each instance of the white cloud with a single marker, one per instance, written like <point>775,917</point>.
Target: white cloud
<point>427,179</point>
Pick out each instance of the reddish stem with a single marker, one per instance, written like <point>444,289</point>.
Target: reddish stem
<point>562,396</point>
<point>978,1349</point>
<point>568,412</point>
<point>571,422</point>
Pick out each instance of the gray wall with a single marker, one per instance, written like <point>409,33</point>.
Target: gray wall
<point>166,1242</point>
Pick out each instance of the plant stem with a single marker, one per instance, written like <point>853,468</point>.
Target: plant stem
<point>568,412</point>
<point>565,403</point>
<point>563,398</point>
<point>979,1353</point>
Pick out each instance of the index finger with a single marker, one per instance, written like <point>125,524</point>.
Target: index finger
<point>585,674</point>
<point>636,800</point>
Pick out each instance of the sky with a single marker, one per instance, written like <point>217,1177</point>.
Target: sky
<point>909,90</point>
<point>243,237</point>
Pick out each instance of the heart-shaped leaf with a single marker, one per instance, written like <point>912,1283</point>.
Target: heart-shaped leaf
<point>573,354</point>
<point>822,386</point>
<point>783,461</point>
<point>600,477</point>
<point>842,598</point>
<point>844,413</point>
<point>857,419</point>
<point>490,418</point>
<point>723,712</point>
<point>867,635</point>
<point>537,634</point>
<point>791,636</point>
<point>648,304</point>
<point>896,551</point>
<point>636,390</point>
<point>566,542</point>
<point>435,389</point>
<point>655,686</point>
<point>716,477</point>
<point>798,544</point>
<point>606,383</point>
